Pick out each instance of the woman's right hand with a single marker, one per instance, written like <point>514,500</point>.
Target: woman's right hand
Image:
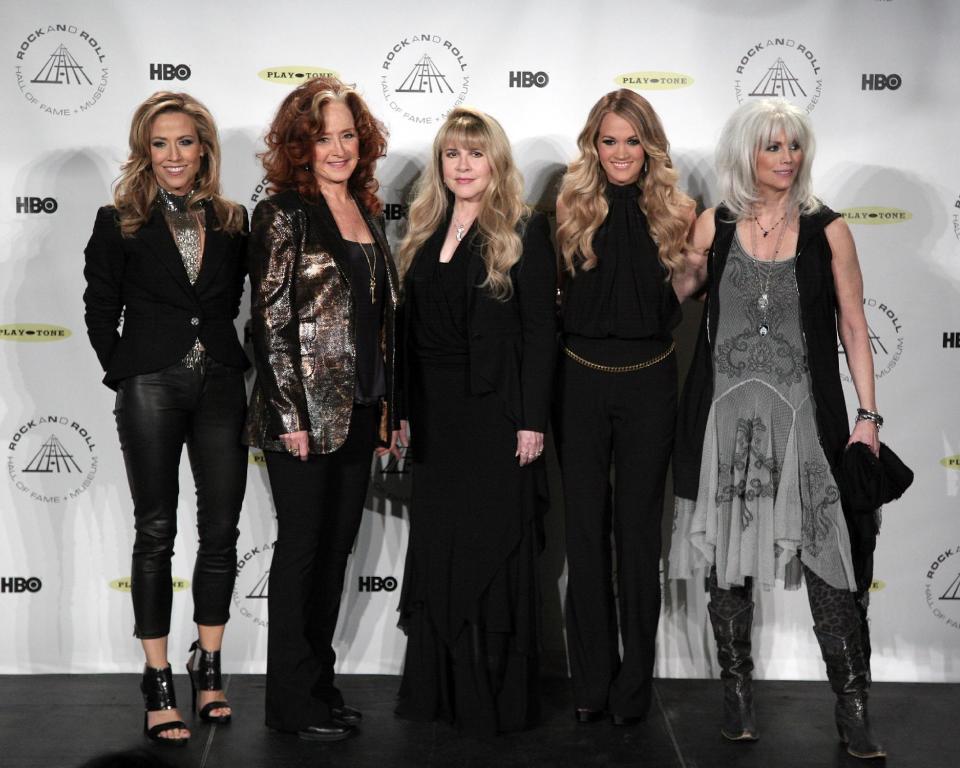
<point>297,444</point>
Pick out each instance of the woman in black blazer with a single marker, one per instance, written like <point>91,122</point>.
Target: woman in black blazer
<point>479,285</point>
<point>324,292</point>
<point>167,259</point>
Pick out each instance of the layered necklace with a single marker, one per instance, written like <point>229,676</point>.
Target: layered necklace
<point>763,280</point>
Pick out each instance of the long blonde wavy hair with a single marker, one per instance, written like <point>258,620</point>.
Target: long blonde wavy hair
<point>136,188</point>
<point>582,191</point>
<point>502,205</point>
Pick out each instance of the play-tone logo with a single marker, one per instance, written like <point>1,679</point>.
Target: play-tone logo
<point>875,214</point>
<point>654,81</point>
<point>61,69</point>
<point>779,66</point>
<point>123,584</point>
<point>33,332</point>
<point>294,74</point>
<point>951,462</point>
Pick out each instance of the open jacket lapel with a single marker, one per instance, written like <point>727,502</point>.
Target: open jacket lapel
<point>156,234</point>
<point>214,250</point>
<point>327,236</point>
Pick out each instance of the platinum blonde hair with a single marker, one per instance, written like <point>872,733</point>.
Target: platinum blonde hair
<point>751,127</point>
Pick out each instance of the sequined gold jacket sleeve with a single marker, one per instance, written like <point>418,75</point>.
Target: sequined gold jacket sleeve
<point>276,237</point>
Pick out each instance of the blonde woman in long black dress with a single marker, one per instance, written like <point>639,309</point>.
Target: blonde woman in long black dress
<point>479,280</point>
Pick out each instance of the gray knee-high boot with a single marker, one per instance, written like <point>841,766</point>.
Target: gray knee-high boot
<point>849,678</point>
<point>731,615</point>
<point>837,625</point>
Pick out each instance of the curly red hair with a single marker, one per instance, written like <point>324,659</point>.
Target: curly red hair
<point>296,127</point>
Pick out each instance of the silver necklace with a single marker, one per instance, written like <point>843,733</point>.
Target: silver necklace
<point>763,297</point>
<point>461,228</point>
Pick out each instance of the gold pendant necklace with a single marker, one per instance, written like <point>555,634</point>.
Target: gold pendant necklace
<point>371,258</point>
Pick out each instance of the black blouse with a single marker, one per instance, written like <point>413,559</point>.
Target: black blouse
<point>625,295</point>
<point>439,303</point>
<point>371,378</point>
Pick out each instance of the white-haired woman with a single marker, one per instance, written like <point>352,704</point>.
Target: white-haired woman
<point>763,423</point>
<point>623,225</point>
<point>479,280</point>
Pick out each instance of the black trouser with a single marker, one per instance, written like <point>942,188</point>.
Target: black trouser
<point>319,505</point>
<point>156,414</point>
<point>631,417</point>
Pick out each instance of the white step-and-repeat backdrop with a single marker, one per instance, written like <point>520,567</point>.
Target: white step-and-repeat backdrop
<point>878,77</point>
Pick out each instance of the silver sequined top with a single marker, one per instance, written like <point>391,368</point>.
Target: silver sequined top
<point>187,231</point>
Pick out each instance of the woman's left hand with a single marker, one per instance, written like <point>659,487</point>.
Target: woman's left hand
<point>399,438</point>
<point>866,432</point>
<point>529,446</point>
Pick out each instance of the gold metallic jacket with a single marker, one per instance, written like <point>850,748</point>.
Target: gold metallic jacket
<point>303,325</point>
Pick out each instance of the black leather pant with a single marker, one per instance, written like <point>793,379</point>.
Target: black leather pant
<point>156,414</point>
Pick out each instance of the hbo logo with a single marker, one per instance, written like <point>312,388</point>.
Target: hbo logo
<point>880,82</point>
<point>394,211</point>
<point>524,79</point>
<point>19,584</point>
<point>376,584</point>
<point>36,205</point>
<point>169,72</point>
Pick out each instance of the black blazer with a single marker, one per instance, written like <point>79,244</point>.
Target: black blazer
<point>142,279</point>
<point>512,344</point>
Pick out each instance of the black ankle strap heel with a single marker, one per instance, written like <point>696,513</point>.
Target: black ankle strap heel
<point>158,694</point>
<point>203,667</point>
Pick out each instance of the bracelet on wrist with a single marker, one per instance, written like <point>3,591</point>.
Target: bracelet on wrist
<point>864,415</point>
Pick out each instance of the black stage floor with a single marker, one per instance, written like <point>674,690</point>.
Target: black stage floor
<point>60,721</point>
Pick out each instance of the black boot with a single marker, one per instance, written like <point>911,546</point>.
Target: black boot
<point>731,614</point>
<point>850,678</point>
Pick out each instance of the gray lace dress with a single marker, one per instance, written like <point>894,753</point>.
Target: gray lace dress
<point>767,497</point>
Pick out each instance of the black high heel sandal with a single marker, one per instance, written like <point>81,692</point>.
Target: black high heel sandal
<point>203,667</point>
<point>157,689</point>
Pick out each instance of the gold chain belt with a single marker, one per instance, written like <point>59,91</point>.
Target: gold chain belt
<point>619,368</point>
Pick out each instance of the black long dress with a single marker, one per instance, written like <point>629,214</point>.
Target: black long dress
<point>469,601</point>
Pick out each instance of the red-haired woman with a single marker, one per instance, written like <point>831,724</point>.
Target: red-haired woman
<point>323,302</point>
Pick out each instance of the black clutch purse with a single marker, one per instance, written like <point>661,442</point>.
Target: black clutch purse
<point>867,482</point>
